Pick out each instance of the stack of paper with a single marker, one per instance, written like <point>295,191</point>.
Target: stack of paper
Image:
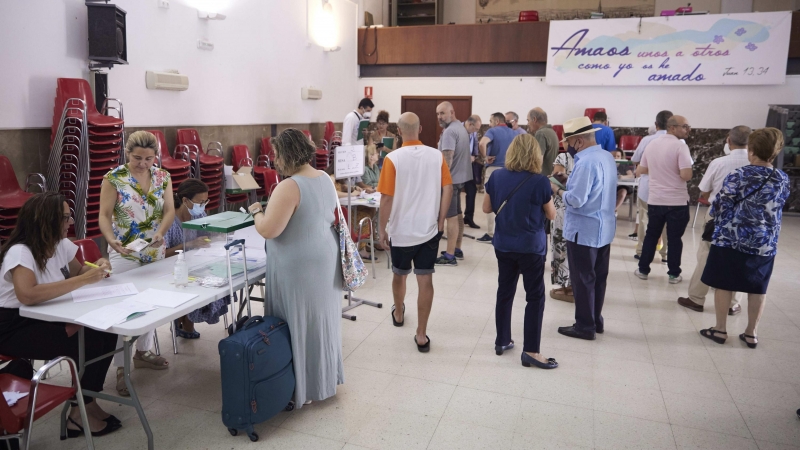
<point>104,291</point>
<point>13,396</point>
<point>166,299</point>
<point>108,316</point>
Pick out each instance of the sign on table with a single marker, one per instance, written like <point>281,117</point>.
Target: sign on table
<point>749,48</point>
<point>349,161</point>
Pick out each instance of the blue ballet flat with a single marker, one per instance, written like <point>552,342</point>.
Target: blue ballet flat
<point>499,349</point>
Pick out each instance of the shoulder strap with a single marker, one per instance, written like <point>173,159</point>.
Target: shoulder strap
<point>502,205</point>
<point>758,188</point>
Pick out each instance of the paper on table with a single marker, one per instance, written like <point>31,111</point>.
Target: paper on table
<point>108,316</point>
<point>251,237</point>
<point>215,252</point>
<point>167,299</point>
<point>13,396</point>
<point>103,292</point>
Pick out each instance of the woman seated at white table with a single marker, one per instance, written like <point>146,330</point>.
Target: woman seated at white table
<point>191,199</point>
<point>38,264</point>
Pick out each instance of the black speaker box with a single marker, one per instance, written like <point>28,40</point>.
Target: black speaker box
<point>107,42</point>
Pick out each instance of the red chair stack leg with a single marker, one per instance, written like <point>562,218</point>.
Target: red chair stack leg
<point>208,164</point>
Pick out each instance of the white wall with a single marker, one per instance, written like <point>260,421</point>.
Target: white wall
<point>704,107</point>
<point>253,75</point>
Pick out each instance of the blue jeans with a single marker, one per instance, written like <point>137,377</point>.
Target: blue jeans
<point>675,218</point>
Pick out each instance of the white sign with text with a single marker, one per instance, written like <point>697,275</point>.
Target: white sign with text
<point>712,49</point>
<point>349,161</point>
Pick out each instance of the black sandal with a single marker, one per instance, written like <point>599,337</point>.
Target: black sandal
<point>753,345</point>
<point>711,333</point>
<point>110,419</point>
<point>423,348</point>
<point>394,321</point>
<point>109,428</point>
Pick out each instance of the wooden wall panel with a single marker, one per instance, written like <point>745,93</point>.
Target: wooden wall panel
<point>473,44</point>
<point>442,44</point>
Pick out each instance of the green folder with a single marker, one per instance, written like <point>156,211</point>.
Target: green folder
<point>362,126</point>
<point>388,142</point>
<point>224,222</point>
<point>557,183</point>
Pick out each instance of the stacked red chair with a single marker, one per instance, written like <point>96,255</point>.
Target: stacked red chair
<point>179,167</point>
<point>208,164</point>
<point>12,197</point>
<point>529,16</point>
<point>628,144</point>
<point>264,172</point>
<point>590,112</point>
<point>85,145</point>
<point>559,129</point>
<point>240,157</point>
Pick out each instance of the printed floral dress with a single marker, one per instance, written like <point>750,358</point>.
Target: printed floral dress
<point>559,265</point>
<point>138,214</point>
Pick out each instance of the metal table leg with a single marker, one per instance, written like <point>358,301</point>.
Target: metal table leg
<point>126,344</point>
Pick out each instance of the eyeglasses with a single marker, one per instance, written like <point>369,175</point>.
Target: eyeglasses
<point>202,203</point>
<point>66,218</point>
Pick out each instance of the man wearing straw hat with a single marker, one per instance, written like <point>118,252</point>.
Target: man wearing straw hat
<point>589,225</point>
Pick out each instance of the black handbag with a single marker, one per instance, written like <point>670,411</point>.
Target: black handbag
<point>708,228</point>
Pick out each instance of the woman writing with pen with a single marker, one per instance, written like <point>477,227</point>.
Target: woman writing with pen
<point>136,203</point>
<point>37,265</point>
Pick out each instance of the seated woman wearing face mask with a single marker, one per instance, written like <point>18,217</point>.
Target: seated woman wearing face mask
<point>191,199</point>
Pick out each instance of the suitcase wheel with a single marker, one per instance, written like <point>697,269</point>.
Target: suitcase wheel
<point>253,436</point>
<point>380,305</point>
<point>233,431</point>
<point>289,407</point>
<point>353,318</point>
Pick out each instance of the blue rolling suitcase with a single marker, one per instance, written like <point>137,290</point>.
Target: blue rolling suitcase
<point>256,368</point>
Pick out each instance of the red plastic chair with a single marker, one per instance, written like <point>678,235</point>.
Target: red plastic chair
<point>11,196</point>
<point>269,180</point>
<point>559,129</point>
<point>87,251</point>
<point>241,157</point>
<point>190,137</point>
<point>589,112</point>
<point>529,16</point>
<point>329,130</point>
<point>79,88</point>
<point>629,143</point>
<point>266,151</point>
<point>168,163</point>
<point>17,421</point>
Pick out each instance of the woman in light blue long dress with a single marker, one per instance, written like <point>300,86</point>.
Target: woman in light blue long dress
<point>304,272</point>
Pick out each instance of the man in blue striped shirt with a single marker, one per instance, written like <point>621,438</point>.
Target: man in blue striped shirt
<point>589,225</point>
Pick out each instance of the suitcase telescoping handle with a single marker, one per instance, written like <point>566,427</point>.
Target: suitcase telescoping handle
<point>246,289</point>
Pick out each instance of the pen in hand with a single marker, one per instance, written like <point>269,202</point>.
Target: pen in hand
<point>95,266</point>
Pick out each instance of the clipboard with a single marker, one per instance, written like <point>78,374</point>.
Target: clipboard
<point>363,125</point>
<point>557,183</point>
<point>388,142</point>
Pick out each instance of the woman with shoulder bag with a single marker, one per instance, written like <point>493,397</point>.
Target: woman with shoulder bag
<point>521,198</point>
<point>747,221</point>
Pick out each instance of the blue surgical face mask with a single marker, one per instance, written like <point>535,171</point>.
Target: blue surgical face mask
<point>571,150</point>
<point>197,209</point>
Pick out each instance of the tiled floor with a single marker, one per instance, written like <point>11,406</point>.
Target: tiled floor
<point>649,382</point>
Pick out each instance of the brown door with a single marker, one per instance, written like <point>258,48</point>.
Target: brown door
<point>425,108</point>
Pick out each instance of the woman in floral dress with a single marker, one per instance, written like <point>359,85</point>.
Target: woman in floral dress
<point>136,203</point>
<point>560,267</point>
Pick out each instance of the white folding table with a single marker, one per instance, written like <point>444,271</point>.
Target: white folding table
<point>156,275</point>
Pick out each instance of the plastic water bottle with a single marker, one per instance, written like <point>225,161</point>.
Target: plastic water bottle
<point>180,273</point>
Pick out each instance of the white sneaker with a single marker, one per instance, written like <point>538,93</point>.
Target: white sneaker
<point>675,280</point>
<point>640,275</point>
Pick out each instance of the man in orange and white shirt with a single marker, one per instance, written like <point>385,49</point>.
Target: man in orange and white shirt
<point>416,189</point>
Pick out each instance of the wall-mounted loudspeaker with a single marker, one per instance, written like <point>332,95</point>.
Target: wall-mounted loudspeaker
<point>107,42</point>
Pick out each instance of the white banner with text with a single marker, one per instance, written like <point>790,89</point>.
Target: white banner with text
<point>713,49</point>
